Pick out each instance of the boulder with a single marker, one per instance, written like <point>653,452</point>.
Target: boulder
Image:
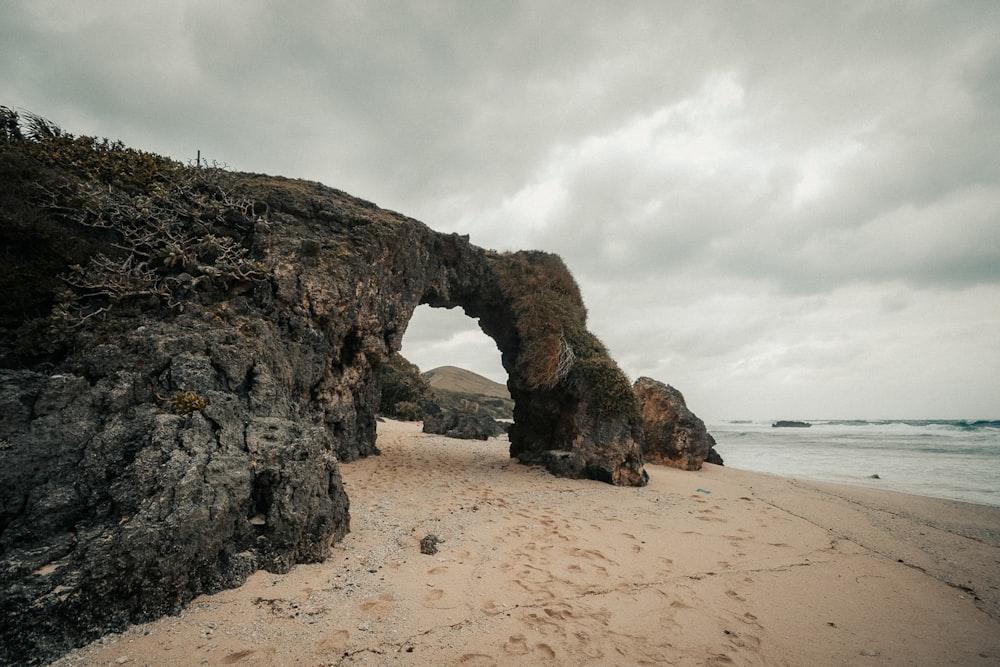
<point>458,423</point>
<point>671,434</point>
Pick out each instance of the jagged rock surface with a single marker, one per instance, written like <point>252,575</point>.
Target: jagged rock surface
<point>119,501</point>
<point>671,434</point>
<point>463,424</point>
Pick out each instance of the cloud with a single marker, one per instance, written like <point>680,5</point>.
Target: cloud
<point>776,207</point>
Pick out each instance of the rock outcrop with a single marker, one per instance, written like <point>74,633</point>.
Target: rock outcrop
<point>458,423</point>
<point>671,434</point>
<point>187,354</point>
<point>790,424</point>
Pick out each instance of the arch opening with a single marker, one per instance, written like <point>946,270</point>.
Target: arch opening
<point>438,337</point>
<point>449,376</point>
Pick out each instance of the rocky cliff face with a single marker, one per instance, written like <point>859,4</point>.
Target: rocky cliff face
<point>187,354</point>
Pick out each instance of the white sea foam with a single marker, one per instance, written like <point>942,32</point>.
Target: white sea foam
<point>957,460</point>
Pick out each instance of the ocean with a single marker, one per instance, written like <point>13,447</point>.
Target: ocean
<point>957,460</point>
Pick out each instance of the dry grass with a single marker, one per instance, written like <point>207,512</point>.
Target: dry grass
<point>549,313</point>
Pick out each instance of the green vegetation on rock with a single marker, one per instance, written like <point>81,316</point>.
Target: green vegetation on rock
<point>186,402</point>
<point>404,389</point>
<point>555,345</point>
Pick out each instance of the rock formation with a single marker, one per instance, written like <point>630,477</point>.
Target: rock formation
<point>671,434</point>
<point>790,424</point>
<point>468,424</point>
<point>186,355</point>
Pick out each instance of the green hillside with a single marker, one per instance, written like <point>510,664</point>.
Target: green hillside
<point>456,387</point>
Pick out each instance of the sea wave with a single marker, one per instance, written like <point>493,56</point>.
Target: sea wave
<point>955,424</point>
<point>957,459</point>
<point>958,424</point>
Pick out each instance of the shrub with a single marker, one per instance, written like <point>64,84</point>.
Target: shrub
<point>610,391</point>
<point>110,164</point>
<point>90,226</point>
<point>186,402</point>
<point>407,411</point>
<point>402,385</point>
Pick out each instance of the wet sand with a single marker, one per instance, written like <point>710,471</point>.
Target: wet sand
<point>717,567</point>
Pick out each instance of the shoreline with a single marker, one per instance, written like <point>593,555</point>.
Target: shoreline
<point>861,486</point>
<point>865,483</point>
<point>921,532</point>
<point>716,567</point>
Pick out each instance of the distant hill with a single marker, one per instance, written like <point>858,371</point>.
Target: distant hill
<point>453,386</point>
<point>457,379</point>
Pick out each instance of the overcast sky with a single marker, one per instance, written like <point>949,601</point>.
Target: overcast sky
<point>784,209</point>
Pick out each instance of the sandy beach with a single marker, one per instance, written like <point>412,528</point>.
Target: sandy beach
<point>717,567</point>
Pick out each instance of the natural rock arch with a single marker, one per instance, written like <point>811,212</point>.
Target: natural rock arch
<point>176,419</point>
<point>574,410</point>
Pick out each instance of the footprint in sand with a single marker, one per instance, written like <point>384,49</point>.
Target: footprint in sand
<point>436,598</point>
<point>544,651</point>
<point>476,660</point>
<point>516,645</point>
<point>564,538</point>
<point>710,518</point>
<point>591,554</point>
<point>438,570</point>
<point>543,625</point>
<point>744,641</point>
<point>587,647</point>
<point>539,594</point>
<point>335,642</point>
<point>234,658</point>
<point>535,575</point>
<point>562,614</point>
<point>379,606</point>
<point>636,548</point>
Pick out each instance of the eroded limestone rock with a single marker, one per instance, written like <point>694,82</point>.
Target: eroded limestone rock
<point>671,434</point>
<point>186,355</point>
